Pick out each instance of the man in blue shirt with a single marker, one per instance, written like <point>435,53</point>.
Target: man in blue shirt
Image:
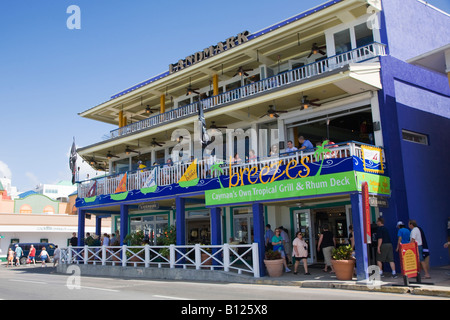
<point>403,234</point>
<point>305,145</point>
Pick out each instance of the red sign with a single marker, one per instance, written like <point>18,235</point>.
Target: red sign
<point>366,212</point>
<point>409,259</point>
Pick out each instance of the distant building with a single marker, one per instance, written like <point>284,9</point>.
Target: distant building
<point>35,217</point>
<point>55,191</point>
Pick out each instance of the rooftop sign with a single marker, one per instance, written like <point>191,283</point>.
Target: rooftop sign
<point>209,52</point>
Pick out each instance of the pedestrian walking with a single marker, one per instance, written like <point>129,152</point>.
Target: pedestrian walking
<point>300,252</point>
<point>10,257</point>
<point>327,243</point>
<point>18,252</point>
<point>416,236</point>
<point>385,251</point>
<point>32,255</point>
<point>56,256</point>
<point>286,243</point>
<point>403,235</point>
<point>44,256</point>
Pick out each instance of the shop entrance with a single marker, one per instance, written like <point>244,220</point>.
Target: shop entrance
<point>311,222</point>
<point>198,227</point>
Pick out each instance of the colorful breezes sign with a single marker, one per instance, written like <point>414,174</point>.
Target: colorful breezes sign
<point>288,188</point>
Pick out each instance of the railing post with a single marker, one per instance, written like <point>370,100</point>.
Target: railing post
<point>226,257</point>
<point>124,255</point>
<point>255,258</point>
<point>198,256</point>
<point>103,255</point>
<point>86,254</point>
<point>69,255</point>
<point>147,255</point>
<point>172,256</point>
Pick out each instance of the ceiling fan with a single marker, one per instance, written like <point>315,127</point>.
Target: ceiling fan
<point>214,126</point>
<point>128,150</point>
<point>242,72</point>
<point>315,49</point>
<point>306,103</point>
<point>272,112</point>
<point>109,155</point>
<point>156,143</point>
<point>149,110</point>
<point>190,90</point>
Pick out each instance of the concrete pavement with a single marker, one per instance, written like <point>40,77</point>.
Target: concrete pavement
<point>438,285</point>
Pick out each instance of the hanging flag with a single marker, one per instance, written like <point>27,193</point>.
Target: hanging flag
<point>92,191</point>
<point>204,137</point>
<point>73,160</point>
<point>151,179</point>
<point>122,184</point>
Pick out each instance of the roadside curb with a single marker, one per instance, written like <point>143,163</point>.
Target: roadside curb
<point>357,287</point>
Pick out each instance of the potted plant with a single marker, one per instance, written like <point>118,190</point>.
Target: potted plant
<point>206,260</point>
<point>343,262</point>
<point>274,263</point>
<point>135,239</point>
<point>168,237</point>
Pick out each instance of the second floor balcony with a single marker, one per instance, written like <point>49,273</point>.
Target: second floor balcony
<point>280,81</point>
<point>214,174</point>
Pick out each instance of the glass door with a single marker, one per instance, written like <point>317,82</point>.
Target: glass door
<point>304,224</point>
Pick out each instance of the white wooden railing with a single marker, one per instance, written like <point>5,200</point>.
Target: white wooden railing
<point>238,258</point>
<point>363,53</point>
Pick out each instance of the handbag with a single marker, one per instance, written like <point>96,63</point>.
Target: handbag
<point>28,260</point>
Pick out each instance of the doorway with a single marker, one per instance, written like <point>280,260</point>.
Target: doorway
<point>311,222</point>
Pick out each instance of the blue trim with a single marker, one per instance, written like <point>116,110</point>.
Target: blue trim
<point>258,234</point>
<point>362,258</point>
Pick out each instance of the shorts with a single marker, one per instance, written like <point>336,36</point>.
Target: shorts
<point>387,253</point>
<point>299,259</point>
<point>31,258</point>
<point>421,257</point>
<point>327,255</point>
<point>44,258</point>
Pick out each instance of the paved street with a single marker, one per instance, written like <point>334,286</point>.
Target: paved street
<point>27,282</point>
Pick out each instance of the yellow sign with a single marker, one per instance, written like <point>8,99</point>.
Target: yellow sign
<point>190,177</point>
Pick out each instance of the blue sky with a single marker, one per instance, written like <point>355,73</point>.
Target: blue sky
<point>50,73</point>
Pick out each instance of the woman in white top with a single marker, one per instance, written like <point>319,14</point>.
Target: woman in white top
<point>300,252</point>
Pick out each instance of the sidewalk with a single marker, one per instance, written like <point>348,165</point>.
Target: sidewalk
<point>438,285</point>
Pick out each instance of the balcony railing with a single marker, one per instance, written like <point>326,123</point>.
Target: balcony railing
<point>361,54</point>
<point>168,175</point>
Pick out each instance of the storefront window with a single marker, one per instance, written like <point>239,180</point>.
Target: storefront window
<point>243,225</point>
<point>153,226</point>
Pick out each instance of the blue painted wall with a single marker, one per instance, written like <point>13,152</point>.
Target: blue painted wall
<point>411,28</point>
<point>417,100</point>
